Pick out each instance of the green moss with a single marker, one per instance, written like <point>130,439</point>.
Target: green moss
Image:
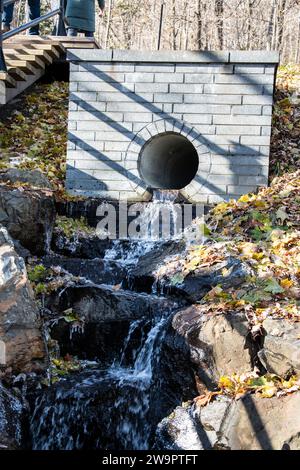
<point>71,227</point>
<point>37,273</point>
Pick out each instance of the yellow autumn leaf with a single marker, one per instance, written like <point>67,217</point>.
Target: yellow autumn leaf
<point>286,283</point>
<point>245,198</point>
<point>226,382</point>
<point>268,391</point>
<point>289,383</point>
<point>239,303</point>
<point>258,256</point>
<point>260,204</point>
<point>221,207</point>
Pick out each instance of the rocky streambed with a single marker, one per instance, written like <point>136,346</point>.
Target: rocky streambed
<point>98,351</point>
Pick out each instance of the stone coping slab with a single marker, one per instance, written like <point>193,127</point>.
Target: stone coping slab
<point>207,57</point>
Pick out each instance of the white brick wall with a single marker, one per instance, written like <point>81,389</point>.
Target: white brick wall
<point>222,102</point>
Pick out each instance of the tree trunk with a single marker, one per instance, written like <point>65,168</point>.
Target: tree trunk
<point>174,33</point>
<point>297,55</point>
<point>219,10</point>
<point>280,22</point>
<point>107,24</point>
<point>251,4</point>
<point>271,26</point>
<point>199,24</point>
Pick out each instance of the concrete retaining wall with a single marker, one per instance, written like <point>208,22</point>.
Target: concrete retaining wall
<point>119,100</point>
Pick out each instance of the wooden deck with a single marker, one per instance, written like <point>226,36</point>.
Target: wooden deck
<point>27,58</point>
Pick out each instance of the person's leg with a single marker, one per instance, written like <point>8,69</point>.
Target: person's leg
<point>89,34</point>
<point>34,12</point>
<point>72,32</point>
<point>7,17</point>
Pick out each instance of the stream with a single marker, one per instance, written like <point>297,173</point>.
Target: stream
<point>117,401</point>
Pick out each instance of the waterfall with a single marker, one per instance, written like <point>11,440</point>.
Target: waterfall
<point>116,406</point>
<point>134,426</point>
<point>69,416</point>
<point>158,221</point>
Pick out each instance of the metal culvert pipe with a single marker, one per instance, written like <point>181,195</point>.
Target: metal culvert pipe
<point>168,161</point>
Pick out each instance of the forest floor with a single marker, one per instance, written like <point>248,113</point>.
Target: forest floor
<point>261,229</point>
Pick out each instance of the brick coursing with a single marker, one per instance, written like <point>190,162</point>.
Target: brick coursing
<point>222,102</point>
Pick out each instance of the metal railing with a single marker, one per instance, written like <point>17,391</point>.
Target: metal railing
<point>59,29</point>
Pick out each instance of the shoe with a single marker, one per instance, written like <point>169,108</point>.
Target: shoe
<point>5,28</point>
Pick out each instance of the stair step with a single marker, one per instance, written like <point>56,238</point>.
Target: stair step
<point>79,41</point>
<point>62,42</point>
<point>10,82</point>
<point>26,59</point>
<point>35,61</point>
<point>17,74</point>
<point>42,55</point>
<point>25,66</point>
<point>38,40</point>
<point>52,51</point>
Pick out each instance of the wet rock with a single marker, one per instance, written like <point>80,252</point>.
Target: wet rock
<point>84,207</point>
<point>188,429</point>
<point>92,410</point>
<point>11,416</point>
<point>251,423</point>
<point>101,303</point>
<point>21,344</point>
<point>79,246</point>
<point>95,270</point>
<point>75,414</point>
<point>105,316</point>
<point>29,216</point>
<point>198,283</point>
<point>142,276</point>
<point>175,372</point>
<point>281,353</point>
<point>219,344</point>
<point>116,408</point>
<point>32,177</point>
<point>21,251</point>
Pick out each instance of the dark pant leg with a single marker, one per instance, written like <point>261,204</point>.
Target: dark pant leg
<point>89,34</point>
<point>34,12</point>
<point>72,32</point>
<point>8,15</point>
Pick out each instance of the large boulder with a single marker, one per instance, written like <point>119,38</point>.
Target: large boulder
<point>104,316</point>
<point>33,178</point>
<point>251,423</point>
<point>188,429</point>
<point>20,336</point>
<point>96,270</point>
<point>102,303</point>
<point>29,216</point>
<point>219,343</point>
<point>281,349</point>
<point>141,277</point>
<point>174,371</point>
<point>76,414</point>
<point>196,284</point>
<point>11,416</point>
